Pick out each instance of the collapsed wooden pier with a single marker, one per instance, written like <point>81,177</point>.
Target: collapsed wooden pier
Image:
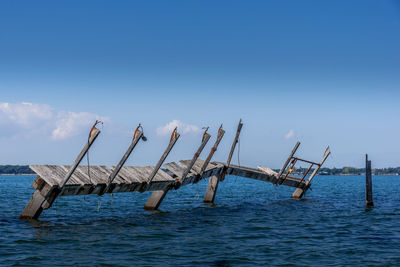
<point>53,181</point>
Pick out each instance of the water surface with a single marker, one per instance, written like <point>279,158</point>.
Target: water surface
<point>252,223</point>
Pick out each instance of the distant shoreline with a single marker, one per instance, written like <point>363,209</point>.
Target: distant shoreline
<point>13,174</point>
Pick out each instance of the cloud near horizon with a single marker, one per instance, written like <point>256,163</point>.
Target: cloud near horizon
<point>290,134</point>
<point>27,118</point>
<point>182,128</point>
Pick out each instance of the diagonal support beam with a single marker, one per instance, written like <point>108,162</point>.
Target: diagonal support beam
<point>299,192</point>
<point>44,197</point>
<point>221,133</point>
<point>204,141</point>
<point>296,146</point>
<point>136,137</point>
<point>235,141</point>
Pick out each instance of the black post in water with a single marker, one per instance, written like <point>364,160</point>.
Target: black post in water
<point>368,183</point>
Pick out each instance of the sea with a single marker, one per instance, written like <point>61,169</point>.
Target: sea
<point>251,223</point>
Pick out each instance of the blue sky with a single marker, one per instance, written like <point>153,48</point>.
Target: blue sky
<point>322,72</point>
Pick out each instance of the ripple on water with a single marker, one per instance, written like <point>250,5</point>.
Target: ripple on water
<point>251,223</point>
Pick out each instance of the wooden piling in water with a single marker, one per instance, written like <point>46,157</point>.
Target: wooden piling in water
<point>213,182</point>
<point>45,194</point>
<point>157,196</point>
<point>368,183</point>
<point>53,181</point>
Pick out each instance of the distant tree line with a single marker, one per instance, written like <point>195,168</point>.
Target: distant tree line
<point>15,169</point>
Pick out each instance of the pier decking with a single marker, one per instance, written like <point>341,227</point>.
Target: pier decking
<point>53,181</point>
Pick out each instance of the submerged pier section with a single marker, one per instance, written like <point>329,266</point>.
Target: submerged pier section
<point>53,181</point>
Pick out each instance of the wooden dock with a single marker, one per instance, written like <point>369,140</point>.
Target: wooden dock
<point>54,181</point>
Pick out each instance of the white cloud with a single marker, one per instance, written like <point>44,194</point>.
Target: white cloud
<point>182,128</point>
<point>289,135</point>
<point>25,114</point>
<point>72,123</point>
<point>27,118</point>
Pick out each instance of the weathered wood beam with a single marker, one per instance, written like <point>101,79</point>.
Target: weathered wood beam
<point>44,198</point>
<point>94,132</point>
<point>235,141</point>
<point>299,192</point>
<point>221,133</point>
<point>157,196</point>
<point>204,141</point>
<point>213,182</point>
<point>155,199</point>
<point>296,146</point>
<point>137,136</point>
<point>174,137</point>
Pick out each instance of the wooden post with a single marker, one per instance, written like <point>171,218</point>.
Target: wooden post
<point>204,141</point>
<point>368,183</point>
<point>213,182</point>
<point>296,146</point>
<point>174,138</point>
<point>44,197</point>
<point>137,136</point>
<point>299,192</point>
<point>157,196</point>
<point>94,132</point>
<point>155,199</point>
<point>213,149</point>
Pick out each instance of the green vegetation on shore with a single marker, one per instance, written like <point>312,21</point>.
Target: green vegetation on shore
<point>349,171</point>
<point>15,169</point>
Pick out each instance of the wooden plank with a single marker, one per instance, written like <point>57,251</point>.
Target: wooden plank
<point>187,163</point>
<point>259,175</point>
<point>268,171</point>
<point>175,168</point>
<point>46,173</point>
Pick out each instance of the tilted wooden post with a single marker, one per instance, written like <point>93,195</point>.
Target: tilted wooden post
<point>368,183</point>
<point>221,133</point>
<point>44,197</point>
<point>296,146</point>
<point>299,192</point>
<point>157,197</point>
<point>213,182</point>
<point>137,136</point>
<point>204,141</point>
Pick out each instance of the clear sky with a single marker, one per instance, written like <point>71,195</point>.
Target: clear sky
<point>322,72</point>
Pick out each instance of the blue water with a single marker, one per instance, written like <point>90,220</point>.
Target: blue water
<point>251,223</point>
